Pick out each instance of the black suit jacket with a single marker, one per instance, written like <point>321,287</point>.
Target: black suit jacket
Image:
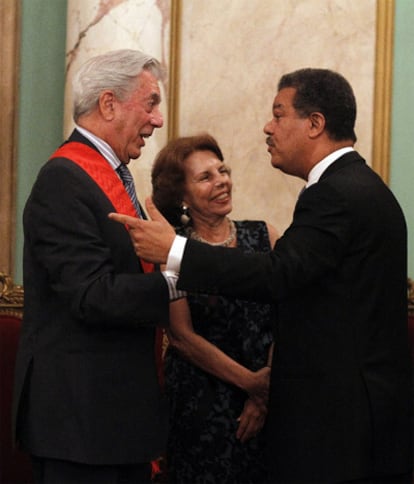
<point>340,405</point>
<point>86,382</point>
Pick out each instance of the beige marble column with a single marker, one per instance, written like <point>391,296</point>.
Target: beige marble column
<point>96,26</point>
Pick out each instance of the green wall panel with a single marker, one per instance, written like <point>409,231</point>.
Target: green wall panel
<point>41,97</point>
<point>402,138</point>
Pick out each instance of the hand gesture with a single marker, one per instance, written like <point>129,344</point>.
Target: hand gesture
<point>152,239</point>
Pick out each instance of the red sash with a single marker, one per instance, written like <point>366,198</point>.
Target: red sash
<point>98,168</point>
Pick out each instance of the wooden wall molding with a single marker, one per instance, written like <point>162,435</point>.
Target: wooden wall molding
<point>384,52</point>
<point>9,65</point>
<point>174,69</point>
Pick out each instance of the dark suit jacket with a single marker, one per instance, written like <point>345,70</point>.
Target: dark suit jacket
<point>86,384</point>
<point>340,404</point>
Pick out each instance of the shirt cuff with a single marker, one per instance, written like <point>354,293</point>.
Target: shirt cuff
<point>171,279</point>
<point>176,254</point>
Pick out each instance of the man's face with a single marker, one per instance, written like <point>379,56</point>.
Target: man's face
<point>136,118</point>
<point>287,134</point>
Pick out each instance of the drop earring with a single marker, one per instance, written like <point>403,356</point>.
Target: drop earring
<point>185,217</point>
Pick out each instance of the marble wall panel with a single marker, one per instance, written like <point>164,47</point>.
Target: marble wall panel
<point>97,26</point>
<point>10,13</point>
<point>232,55</point>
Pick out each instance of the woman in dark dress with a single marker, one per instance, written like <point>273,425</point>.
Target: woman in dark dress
<point>217,363</point>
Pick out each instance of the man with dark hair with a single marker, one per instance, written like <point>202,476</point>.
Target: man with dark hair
<point>327,92</point>
<point>340,399</point>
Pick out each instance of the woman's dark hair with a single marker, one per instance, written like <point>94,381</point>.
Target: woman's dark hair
<point>168,172</point>
<point>326,92</point>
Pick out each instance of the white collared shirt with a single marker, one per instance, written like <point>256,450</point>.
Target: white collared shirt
<point>322,165</point>
<point>106,151</point>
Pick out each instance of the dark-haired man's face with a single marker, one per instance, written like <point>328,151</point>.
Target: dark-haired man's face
<point>287,134</point>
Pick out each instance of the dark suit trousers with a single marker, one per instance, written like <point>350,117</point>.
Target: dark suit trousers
<point>53,471</point>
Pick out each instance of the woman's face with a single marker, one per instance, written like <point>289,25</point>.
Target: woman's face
<point>207,186</point>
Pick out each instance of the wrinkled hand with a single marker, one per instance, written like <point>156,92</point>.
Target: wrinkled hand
<point>152,239</point>
<point>251,420</point>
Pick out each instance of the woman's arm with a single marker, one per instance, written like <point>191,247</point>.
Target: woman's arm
<point>208,357</point>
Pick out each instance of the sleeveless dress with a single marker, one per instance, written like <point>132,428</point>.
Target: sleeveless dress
<point>202,446</point>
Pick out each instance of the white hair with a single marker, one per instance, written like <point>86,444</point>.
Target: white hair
<point>116,70</point>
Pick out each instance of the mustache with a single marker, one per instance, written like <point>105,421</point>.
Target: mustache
<point>269,141</point>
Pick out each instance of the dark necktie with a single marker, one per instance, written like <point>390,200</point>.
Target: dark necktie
<point>128,182</point>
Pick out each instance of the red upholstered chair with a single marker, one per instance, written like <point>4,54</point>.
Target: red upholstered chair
<point>15,466</point>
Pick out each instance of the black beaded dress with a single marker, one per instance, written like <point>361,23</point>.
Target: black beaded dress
<point>202,446</point>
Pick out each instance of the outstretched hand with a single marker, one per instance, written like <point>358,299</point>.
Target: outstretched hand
<point>152,239</point>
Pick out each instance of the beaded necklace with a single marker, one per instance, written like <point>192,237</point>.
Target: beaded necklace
<point>225,243</point>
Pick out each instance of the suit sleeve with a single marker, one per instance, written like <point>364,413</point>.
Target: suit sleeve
<point>311,248</point>
<point>88,260</point>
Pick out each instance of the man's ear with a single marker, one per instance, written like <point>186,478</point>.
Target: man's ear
<point>317,124</point>
<point>106,105</point>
